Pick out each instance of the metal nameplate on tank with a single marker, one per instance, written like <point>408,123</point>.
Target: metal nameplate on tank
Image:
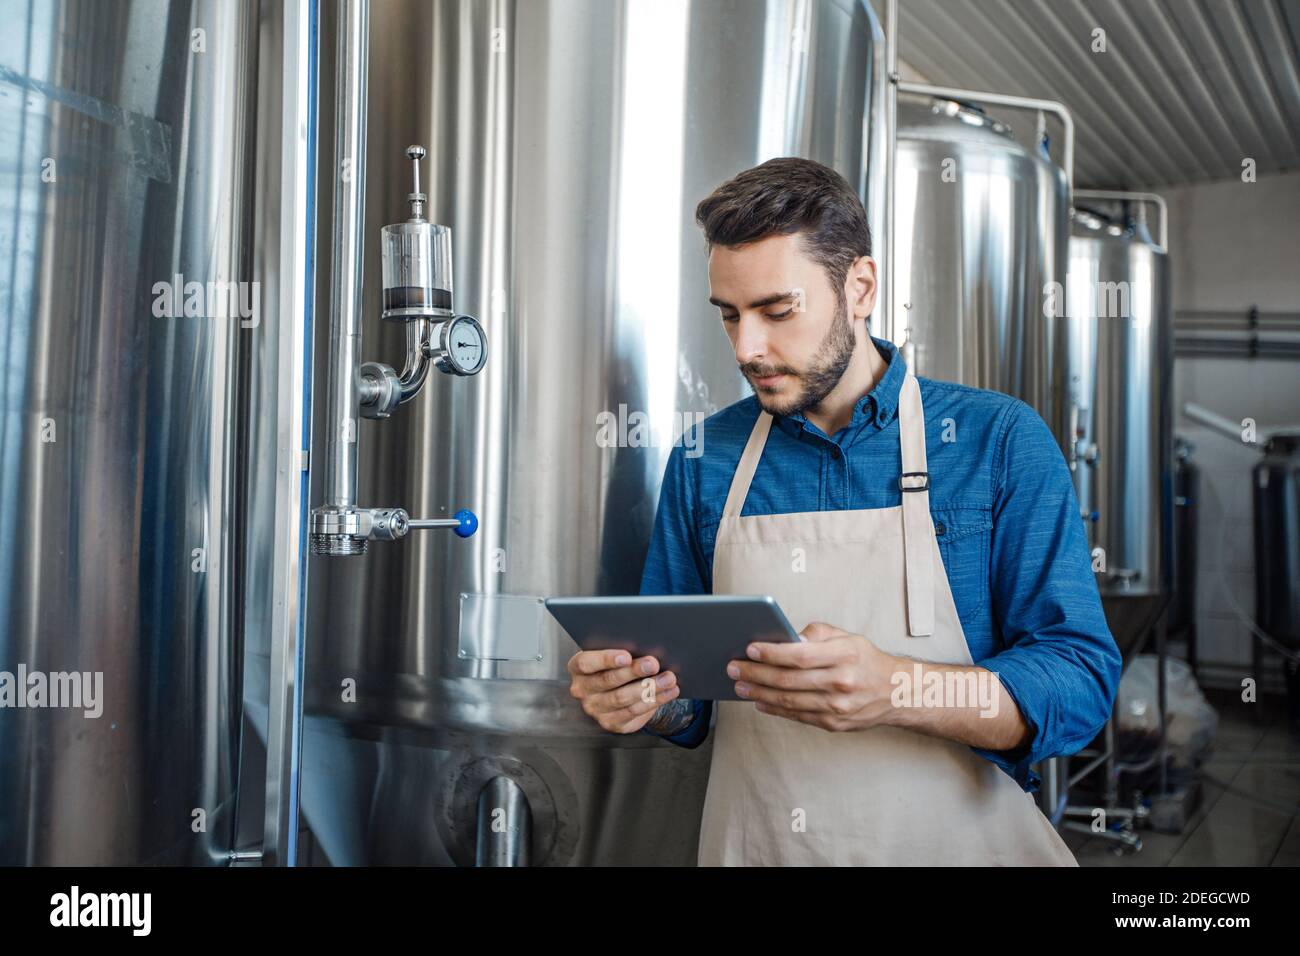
<point>501,627</point>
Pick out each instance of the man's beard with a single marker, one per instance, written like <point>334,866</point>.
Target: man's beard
<point>828,366</point>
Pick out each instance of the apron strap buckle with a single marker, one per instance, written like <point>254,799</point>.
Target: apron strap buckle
<point>923,486</point>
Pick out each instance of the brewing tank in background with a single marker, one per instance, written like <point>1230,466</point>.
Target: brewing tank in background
<point>1276,483</point>
<point>981,234</point>
<point>126,170</point>
<point>1117,382</point>
<point>569,145</point>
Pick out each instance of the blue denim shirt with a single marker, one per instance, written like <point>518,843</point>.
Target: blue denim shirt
<point>1006,517</point>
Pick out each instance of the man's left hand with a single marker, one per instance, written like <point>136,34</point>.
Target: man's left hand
<point>833,679</point>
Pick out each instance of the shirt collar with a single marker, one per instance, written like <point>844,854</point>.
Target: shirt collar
<point>877,408</point>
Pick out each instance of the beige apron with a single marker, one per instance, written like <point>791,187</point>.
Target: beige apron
<point>785,793</point>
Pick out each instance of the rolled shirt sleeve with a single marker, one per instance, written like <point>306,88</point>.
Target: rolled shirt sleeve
<point>1060,663</point>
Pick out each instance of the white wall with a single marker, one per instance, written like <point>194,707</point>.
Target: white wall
<point>1232,245</point>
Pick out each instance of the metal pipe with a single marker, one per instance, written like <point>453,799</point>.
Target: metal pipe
<point>416,369</point>
<point>885,77</point>
<point>504,825</point>
<point>1203,416</point>
<point>418,524</point>
<point>1238,320</point>
<point>296,304</point>
<point>1218,347</point>
<point>343,402</point>
<point>1119,195</point>
<point>1016,102</point>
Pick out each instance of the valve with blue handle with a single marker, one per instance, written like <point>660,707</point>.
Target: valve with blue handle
<point>392,523</point>
<point>464,522</point>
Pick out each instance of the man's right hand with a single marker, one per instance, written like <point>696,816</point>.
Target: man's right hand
<point>617,692</point>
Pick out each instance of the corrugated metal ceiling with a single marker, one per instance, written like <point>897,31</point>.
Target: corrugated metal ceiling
<point>1185,90</point>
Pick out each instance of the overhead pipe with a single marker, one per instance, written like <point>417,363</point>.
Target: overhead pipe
<point>1154,199</point>
<point>881,161</point>
<point>1014,102</point>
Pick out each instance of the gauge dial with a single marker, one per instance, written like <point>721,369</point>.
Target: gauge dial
<point>464,346</point>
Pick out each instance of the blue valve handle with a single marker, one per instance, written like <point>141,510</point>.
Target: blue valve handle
<point>468,522</point>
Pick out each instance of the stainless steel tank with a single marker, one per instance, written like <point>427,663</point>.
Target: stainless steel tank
<point>1117,379</point>
<point>570,142</point>
<point>1276,483</point>
<point>125,190</point>
<point>981,231</point>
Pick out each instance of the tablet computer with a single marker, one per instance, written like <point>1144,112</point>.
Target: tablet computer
<point>692,635</point>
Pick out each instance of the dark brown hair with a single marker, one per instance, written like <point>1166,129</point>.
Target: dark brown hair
<point>785,196</point>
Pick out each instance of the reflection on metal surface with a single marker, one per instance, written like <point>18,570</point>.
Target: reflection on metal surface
<point>278,387</point>
<point>121,544</point>
<point>148,143</point>
<point>568,146</point>
<point>1118,376</point>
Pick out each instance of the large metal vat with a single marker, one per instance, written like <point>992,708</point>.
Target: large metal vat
<point>1118,377</point>
<point>126,171</point>
<point>570,142</point>
<point>981,231</point>
<point>1276,483</point>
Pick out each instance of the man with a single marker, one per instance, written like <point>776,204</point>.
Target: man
<point>910,527</point>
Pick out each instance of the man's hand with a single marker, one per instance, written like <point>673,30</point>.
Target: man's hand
<point>841,681</point>
<point>617,692</point>
<point>834,680</point>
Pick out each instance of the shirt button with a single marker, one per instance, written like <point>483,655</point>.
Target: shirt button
<point>835,452</point>
<point>939,528</point>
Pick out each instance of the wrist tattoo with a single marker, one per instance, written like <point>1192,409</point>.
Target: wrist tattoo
<point>672,718</point>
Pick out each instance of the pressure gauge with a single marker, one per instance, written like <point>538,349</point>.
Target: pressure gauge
<point>459,346</point>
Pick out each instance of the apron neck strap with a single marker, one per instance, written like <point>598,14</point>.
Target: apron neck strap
<point>911,431</point>
<point>748,465</point>
<point>918,529</point>
<point>914,483</point>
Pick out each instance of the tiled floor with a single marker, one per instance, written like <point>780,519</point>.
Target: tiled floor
<point>1250,806</point>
